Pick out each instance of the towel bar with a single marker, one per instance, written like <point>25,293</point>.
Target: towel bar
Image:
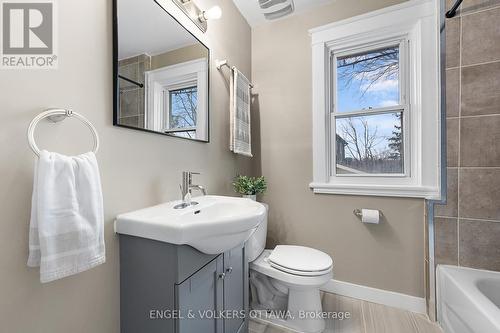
<point>57,115</point>
<point>221,63</point>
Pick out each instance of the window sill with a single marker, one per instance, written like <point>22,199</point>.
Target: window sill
<point>426,192</point>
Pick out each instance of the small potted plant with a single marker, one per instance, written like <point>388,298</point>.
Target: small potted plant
<point>249,187</point>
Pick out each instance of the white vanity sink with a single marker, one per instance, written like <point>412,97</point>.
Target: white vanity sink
<point>216,224</point>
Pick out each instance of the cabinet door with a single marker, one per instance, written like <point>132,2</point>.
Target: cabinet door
<point>235,289</point>
<point>201,295</point>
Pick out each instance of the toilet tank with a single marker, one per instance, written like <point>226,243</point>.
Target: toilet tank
<point>257,241</point>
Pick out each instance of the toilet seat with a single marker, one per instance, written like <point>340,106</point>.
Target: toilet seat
<point>262,265</point>
<point>299,273</point>
<point>300,260</point>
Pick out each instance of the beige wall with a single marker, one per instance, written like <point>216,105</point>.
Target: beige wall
<point>138,169</point>
<point>388,256</point>
<point>183,54</point>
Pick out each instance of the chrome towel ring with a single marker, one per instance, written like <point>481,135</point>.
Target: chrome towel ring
<point>57,115</point>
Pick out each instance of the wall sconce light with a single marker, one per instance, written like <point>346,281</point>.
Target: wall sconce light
<point>198,16</point>
<point>213,13</point>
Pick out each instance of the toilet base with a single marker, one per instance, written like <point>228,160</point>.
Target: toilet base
<point>305,308</point>
<point>300,311</point>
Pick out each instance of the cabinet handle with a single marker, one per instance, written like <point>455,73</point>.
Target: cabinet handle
<point>222,276</point>
<point>229,270</point>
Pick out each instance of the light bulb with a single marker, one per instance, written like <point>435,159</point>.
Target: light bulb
<point>213,13</point>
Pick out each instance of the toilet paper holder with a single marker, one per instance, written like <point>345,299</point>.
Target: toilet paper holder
<point>359,213</point>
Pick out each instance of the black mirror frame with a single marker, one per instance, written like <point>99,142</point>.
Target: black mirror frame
<point>116,93</point>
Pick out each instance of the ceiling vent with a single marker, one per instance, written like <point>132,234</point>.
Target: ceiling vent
<point>273,9</point>
<point>265,4</point>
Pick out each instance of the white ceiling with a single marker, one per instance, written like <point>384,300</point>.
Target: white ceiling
<point>254,15</point>
<point>144,27</point>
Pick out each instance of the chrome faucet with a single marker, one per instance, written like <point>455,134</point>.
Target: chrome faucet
<point>187,183</point>
<point>186,188</point>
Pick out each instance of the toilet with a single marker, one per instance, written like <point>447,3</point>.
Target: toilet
<point>286,281</point>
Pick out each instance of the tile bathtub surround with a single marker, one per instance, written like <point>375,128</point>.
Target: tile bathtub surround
<point>452,92</point>
<point>472,6</point>
<point>452,139</point>
<point>364,317</point>
<point>479,193</point>
<point>452,42</point>
<point>479,244</point>
<point>479,88</point>
<point>479,141</point>
<point>468,227</point>
<point>446,231</point>
<point>480,37</point>
<point>132,96</point>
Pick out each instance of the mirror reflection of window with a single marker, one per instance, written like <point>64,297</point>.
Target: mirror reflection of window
<point>176,99</point>
<point>182,111</point>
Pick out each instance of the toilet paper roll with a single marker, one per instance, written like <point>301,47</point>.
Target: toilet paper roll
<point>370,216</point>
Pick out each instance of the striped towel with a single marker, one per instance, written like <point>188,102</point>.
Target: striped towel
<point>240,132</point>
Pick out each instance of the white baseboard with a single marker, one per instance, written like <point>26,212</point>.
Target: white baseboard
<point>385,297</point>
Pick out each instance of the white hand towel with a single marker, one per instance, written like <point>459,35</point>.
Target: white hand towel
<point>239,111</point>
<point>67,224</point>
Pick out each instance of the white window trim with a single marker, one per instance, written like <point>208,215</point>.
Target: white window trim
<point>417,22</point>
<point>164,79</point>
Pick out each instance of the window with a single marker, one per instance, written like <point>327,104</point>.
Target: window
<point>369,110</point>
<point>182,105</point>
<point>376,103</point>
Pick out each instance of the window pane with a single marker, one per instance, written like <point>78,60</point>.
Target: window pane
<point>368,80</point>
<point>370,144</point>
<point>183,103</point>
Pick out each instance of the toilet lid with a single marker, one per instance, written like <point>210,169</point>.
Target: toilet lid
<point>300,260</point>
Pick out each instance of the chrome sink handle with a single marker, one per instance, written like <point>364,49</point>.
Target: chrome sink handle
<point>199,188</point>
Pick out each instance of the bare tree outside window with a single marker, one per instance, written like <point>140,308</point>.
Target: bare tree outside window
<point>369,69</point>
<point>183,111</point>
<point>371,142</point>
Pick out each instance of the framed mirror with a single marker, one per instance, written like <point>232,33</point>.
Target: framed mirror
<point>161,73</point>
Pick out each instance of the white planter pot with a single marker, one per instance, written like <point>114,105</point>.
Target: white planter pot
<point>250,196</point>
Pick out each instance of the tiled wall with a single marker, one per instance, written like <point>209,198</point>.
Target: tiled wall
<point>132,96</point>
<point>467,228</point>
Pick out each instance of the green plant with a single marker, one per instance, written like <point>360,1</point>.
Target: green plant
<point>249,185</point>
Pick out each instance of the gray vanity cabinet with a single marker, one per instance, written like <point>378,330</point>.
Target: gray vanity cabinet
<point>200,297</point>
<point>176,289</point>
<point>235,289</point>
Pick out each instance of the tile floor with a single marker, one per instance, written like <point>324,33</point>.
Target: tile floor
<point>365,317</point>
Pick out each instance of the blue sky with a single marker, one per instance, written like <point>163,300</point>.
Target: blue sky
<point>358,95</point>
